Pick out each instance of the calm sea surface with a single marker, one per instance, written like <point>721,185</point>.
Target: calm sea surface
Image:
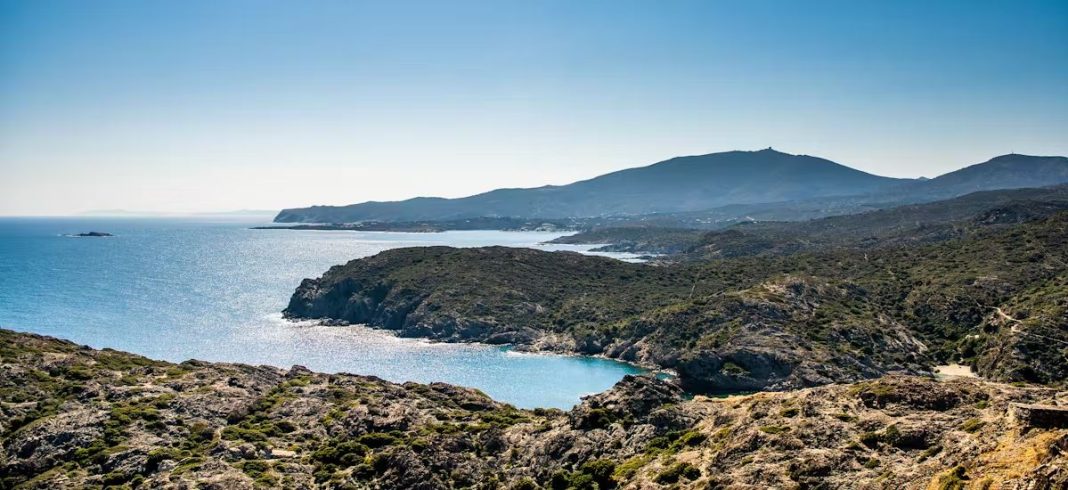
<point>177,289</point>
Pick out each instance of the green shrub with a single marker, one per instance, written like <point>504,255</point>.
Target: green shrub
<point>88,454</point>
<point>255,468</point>
<point>234,432</point>
<point>733,369</point>
<point>601,471</point>
<point>954,479</point>
<point>560,480</point>
<point>76,372</point>
<point>163,401</point>
<point>845,417</point>
<point>597,418</point>
<point>582,481</point>
<point>892,435</point>
<point>127,414</point>
<point>931,451</point>
<point>418,445</point>
<point>690,439</point>
<point>972,425</point>
<point>376,440</point>
<point>870,439</point>
<point>266,480</point>
<point>677,472</point>
<point>115,478</point>
<point>774,429</point>
<point>630,467</point>
<point>201,432</point>
<point>285,426</point>
<point>345,453</point>
<point>658,442</point>
<point>156,456</point>
<point>259,471</point>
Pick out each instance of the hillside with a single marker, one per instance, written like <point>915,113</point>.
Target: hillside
<point>677,185</point>
<point>74,417</point>
<point>911,224</point>
<point>759,322</point>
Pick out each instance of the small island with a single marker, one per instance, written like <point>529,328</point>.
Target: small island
<point>91,234</point>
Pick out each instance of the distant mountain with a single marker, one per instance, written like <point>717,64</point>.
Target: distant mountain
<point>749,181</point>
<point>1010,171</point>
<point>680,184</point>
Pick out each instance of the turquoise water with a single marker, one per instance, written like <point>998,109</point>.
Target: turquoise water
<point>213,290</point>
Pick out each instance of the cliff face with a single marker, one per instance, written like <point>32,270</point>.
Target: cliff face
<point>74,417</point>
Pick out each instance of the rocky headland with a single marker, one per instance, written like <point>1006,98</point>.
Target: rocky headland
<point>990,298</point>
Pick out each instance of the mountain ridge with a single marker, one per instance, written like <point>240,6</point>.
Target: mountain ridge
<point>679,184</point>
<point>1003,169</point>
<point>701,182</point>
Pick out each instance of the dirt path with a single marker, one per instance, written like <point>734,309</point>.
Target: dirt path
<point>1005,316</point>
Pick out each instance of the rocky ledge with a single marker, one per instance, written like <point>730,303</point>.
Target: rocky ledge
<point>74,417</point>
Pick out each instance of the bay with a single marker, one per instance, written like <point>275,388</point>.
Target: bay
<point>213,289</point>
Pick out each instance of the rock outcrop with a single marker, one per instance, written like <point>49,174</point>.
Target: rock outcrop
<point>74,417</point>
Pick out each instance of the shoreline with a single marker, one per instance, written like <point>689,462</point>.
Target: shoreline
<point>530,349</point>
<point>409,229</point>
<point>943,372</point>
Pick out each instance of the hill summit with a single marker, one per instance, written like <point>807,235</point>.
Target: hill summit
<point>689,183</point>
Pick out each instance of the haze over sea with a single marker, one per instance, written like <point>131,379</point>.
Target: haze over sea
<point>212,289</point>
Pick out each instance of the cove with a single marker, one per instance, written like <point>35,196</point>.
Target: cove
<point>177,289</point>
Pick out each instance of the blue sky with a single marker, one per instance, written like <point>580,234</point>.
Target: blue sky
<point>214,105</point>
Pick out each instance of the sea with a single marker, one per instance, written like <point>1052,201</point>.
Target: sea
<point>213,289</point>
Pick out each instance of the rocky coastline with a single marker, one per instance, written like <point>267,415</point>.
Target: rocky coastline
<point>740,324</point>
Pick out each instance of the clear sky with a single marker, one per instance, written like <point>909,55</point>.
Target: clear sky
<point>217,105</point>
